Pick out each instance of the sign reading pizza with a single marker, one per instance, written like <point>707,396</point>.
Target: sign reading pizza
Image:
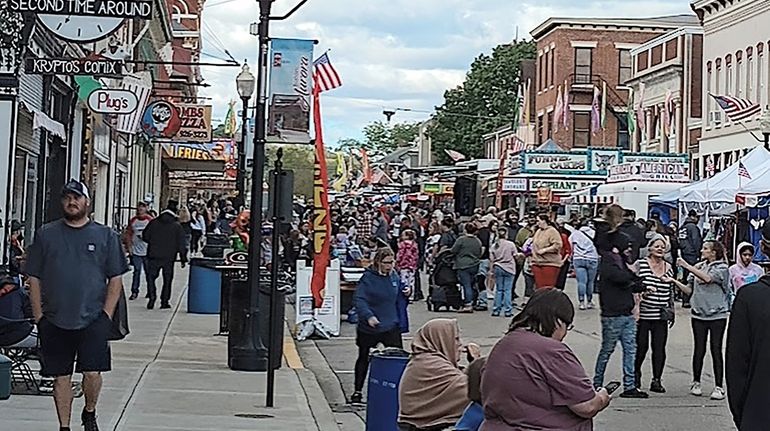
<point>196,123</point>
<point>73,66</point>
<point>93,8</point>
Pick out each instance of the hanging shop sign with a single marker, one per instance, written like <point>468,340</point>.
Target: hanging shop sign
<point>549,162</point>
<point>161,120</point>
<point>601,160</point>
<point>437,188</point>
<point>650,171</point>
<point>112,101</point>
<point>514,184</point>
<point>561,186</point>
<point>544,195</point>
<point>196,123</point>
<point>221,150</point>
<point>91,8</point>
<point>73,66</point>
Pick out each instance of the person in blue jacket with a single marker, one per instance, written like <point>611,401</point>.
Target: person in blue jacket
<point>376,301</point>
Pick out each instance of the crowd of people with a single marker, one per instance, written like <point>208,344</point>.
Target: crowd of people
<point>531,380</point>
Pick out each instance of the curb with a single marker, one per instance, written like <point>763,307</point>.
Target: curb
<point>319,407</point>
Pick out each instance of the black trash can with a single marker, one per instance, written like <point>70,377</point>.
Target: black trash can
<point>264,321</point>
<point>245,349</point>
<point>217,239</point>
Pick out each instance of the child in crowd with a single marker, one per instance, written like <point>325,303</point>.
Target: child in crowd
<point>407,259</point>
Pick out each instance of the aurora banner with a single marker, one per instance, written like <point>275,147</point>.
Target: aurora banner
<point>290,88</point>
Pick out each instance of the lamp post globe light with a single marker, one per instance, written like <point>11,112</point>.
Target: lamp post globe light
<point>764,126</point>
<point>245,82</point>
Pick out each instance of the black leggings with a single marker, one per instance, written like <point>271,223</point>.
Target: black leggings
<point>365,342</point>
<point>657,332</point>
<point>700,333</point>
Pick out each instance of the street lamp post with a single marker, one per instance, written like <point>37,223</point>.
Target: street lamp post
<point>764,127</point>
<point>245,84</point>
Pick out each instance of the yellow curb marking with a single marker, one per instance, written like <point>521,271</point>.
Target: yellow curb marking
<point>291,355</point>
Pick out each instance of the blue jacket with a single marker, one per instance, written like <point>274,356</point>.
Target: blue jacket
<point>377,295</point>
<point>14,308</point>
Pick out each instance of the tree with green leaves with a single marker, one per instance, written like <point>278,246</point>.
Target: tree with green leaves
<point>381,138</point>
<point>485,101</point>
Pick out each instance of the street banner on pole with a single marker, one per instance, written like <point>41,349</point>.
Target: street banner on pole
<point>289,90</point>
<point>321,221</point>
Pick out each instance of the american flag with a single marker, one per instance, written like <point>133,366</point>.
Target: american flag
<point>737,109</point>
<point>324,75</point>
<point>742,171</point>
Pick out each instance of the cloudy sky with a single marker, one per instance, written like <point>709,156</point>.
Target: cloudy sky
<point>392,53</point>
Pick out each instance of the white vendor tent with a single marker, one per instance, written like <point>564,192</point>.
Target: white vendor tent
<point>724,186</point>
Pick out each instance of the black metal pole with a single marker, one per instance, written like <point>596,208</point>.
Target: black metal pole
<point>767,141</point>
<point>274,267</point>
<point>250,354</point>
<point>240,179</point>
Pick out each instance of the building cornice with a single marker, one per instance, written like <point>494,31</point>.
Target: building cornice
<point>638,24</point>
<point>665,38</point>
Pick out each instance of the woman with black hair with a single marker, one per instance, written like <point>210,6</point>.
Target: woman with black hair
<point>709,284</point>
<point>532,380</point>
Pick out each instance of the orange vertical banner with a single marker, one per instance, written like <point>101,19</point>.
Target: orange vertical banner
<point>321,219</point>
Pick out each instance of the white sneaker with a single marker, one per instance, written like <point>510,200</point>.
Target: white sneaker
<point>718,394</point>
<point>582,305</point>
<point>695,389</point>
<point>591,305</point>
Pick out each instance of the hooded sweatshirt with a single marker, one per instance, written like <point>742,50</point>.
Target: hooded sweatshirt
<point>740,274</point>
<point>377,295</point>
<point>433,389</point>
<point>165,238</point>
<point>710,301</point>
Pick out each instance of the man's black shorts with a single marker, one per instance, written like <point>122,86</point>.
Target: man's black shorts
<point>59,348</point>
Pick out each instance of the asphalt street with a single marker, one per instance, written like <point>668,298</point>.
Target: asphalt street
<point>333,360</point>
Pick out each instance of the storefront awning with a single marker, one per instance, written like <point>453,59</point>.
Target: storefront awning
<point>41,120</point>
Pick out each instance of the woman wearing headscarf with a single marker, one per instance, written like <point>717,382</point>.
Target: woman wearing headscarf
<point>532,380</point>
<point>434,390</point>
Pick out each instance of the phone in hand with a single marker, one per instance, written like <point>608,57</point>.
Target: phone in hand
<point>612,387</point>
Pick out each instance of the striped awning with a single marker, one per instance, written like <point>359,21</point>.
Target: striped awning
<point>593,199</point>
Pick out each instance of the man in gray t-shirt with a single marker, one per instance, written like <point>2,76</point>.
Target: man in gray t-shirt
<point>75,267</point>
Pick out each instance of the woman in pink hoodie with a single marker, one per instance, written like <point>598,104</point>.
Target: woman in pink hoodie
<point>744,271</point>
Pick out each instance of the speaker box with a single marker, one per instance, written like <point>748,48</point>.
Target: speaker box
<point>285,190</point>
<point>465,195</point>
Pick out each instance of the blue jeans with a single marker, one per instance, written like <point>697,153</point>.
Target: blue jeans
<point>467,279</point>
<point>503,292</point>
<point>585,272</point>
<point>614,329</point>
<point>139,263</point>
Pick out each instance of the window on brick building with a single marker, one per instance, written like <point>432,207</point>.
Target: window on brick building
<point>553,67</point>
<point>624,140</point>
<point>583,60</point>
<point>547,78</point>
<point>581,131</point>
<point>540,76</point>
<point>738,70</point>
<point>549,124</point>
<point>625,69</point>
<point>539,129</point>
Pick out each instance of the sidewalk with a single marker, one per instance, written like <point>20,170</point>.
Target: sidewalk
<point>170,374</point>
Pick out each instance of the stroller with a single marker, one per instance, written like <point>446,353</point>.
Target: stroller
<point>444,291</point>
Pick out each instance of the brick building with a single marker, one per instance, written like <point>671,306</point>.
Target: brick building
<point>667,82</point>
<point>583,53</point>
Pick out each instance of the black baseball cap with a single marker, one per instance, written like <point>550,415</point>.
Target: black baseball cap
<point>16,226</point>
<point>75,187</point>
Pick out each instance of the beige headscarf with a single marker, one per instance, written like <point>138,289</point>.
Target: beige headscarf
<point>433,390</point>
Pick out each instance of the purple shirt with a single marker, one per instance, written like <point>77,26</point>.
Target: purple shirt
<point>528,383</point>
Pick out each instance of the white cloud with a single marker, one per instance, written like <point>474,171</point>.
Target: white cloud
<point>392,53</point>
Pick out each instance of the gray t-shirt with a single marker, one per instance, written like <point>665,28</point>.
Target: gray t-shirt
<point>74,266</point>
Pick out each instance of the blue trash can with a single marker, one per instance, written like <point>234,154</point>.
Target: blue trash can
<point>5,378</point>
<point>204,288</point>
<point>385,370</point>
